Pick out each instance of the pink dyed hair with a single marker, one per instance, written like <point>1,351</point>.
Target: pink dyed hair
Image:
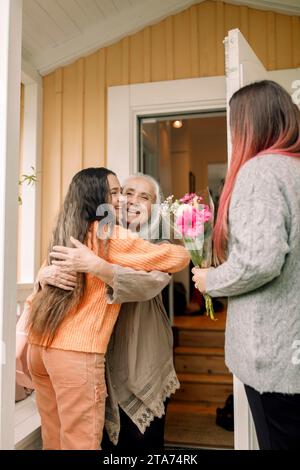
<point>263,119</point>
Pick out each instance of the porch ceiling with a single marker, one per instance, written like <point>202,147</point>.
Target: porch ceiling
<point>56,32</point>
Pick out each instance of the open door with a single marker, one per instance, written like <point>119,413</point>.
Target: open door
<point>242,67</point>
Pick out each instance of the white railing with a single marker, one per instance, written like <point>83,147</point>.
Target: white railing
<point>27,418</point>
<point>23,291</point>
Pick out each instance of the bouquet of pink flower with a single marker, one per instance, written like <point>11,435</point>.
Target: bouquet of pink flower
<point>193,223</point>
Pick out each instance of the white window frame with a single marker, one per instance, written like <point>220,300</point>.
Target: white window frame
<point>126,103</point>
<point>27,418</point>
<point>31,195</point>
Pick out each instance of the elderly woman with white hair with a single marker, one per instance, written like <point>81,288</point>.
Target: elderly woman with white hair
<point>140,372</point>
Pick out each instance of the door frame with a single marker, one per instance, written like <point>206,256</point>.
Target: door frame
<point>129,102</point>
<point>125,105</point>
<point>26,417</point>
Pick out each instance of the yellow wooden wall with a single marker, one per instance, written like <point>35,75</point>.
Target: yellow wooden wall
<point>186,45</point>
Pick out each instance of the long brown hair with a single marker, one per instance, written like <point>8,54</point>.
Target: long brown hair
<point>88,189</point>
<point>263,119</point>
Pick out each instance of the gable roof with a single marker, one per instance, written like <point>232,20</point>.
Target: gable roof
<point>57,32</point>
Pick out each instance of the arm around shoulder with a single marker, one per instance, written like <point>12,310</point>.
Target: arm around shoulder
<point>129,285</point>
<point>142,255</point>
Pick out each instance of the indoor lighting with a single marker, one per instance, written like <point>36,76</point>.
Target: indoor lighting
<point>177,124</point>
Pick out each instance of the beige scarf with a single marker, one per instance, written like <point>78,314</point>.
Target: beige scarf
<point>140,374</point>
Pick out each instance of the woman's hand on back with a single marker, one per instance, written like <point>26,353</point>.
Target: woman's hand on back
<point>79,259</point>
<point>54,276</point>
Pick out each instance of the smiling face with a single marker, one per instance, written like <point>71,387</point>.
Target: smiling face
<point>115,193</point>
<point>140,195</point>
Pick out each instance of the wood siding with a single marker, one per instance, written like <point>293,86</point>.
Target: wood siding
<point>186,45</point>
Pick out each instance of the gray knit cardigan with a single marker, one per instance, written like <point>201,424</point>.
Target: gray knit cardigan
<point>261,276</point>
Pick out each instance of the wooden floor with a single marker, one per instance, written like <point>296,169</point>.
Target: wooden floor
<point>205,384</point>
<point>194,426</point>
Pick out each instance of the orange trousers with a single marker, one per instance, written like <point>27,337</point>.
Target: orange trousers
<point>70,395</point>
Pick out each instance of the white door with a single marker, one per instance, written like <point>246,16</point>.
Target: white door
<point>242,67</point>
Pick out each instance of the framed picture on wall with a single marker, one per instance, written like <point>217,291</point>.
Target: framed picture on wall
<point>192,182</point>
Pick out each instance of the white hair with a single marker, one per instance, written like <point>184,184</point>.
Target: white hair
<point>152,231</point>
<point>157,189</point>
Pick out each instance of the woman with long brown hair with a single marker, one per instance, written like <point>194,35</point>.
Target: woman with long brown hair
<point>257,244</point>
<point>140,373</point>
<point>69,330</point>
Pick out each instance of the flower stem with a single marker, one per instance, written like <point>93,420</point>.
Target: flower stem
<point>209,307</point>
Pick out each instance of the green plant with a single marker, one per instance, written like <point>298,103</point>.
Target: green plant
<point>29,180</point>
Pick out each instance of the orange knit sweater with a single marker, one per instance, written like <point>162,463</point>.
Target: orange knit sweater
<point>88,326</point>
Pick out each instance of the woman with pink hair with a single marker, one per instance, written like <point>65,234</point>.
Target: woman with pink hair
<point>256,247</point>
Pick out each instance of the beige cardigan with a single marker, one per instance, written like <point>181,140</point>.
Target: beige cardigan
<point>140,372</point>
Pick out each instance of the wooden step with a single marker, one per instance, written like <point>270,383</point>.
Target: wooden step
<point>201,338</point>
<point>200,360</point>
<point>194,425</point>
<point>193,408</point>
<point>200,331</point>
<point>204,388</point>
<point>201,322</point>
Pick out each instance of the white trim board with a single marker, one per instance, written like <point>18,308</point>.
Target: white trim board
<point>10,77</point>
<point>26,416</point>
<point>32,157</point>
<point>29,74</point>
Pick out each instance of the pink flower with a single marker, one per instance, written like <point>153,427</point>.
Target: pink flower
<point>207,214</point>
<point>186,198</point>
<point>190,220</point>
<point>189,197</point>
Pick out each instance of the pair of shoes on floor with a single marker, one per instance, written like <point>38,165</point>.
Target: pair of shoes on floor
<point>224,417</point>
